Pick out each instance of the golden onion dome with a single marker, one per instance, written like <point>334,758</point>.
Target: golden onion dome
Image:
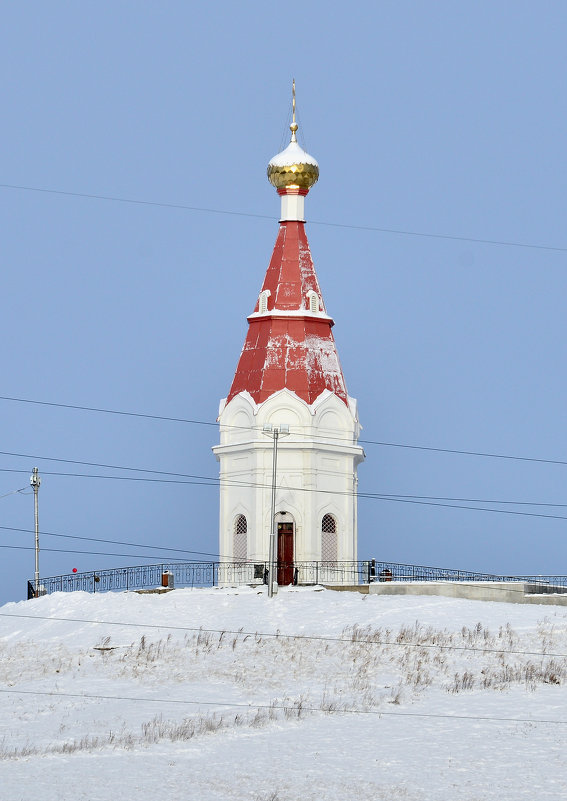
<point>293,166</point>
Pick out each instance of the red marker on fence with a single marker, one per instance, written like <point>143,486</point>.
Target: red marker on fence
<point>74,570</point>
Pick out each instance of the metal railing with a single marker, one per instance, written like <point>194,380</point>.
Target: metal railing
<point>392,571</point>
<point>214,574</point>
<point>185,574</point>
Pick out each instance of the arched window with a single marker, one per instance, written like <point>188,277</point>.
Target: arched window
<point>263,301</point>
<point>328,539</point>
<point>240,544</point>
<point>313,299</point>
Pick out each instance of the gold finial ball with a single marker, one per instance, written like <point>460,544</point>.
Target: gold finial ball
<point>293,167</point>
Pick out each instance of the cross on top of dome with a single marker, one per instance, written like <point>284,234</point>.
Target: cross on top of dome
<point>293,167</point>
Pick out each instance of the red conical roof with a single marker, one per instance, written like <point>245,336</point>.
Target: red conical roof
<point>289,344</point>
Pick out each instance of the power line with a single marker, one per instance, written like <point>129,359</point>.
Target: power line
<point>211,481</point>
<point>214,557</point>
<point>214,482</point>
<point>110,542</point>
<point>87,553</point>
<point>136,202</point>
<point>449,237</point>
<point>399,496</point>
<point>206,482</point>
<point>469,508</point>
<point>236,482</point>
<point>283,707</point>
<point>278,635</point>
<point>110,411</point>
<point>484,454</point>
<point>371,228</point>
<point>13,492</point>
<point>384,444</point>
<point>106,466</point>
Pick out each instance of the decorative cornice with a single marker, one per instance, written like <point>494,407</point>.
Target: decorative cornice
<point>299,314</point>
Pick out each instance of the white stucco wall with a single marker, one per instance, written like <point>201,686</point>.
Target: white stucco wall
<point>316,472</point>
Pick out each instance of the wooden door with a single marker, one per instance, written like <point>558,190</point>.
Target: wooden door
<point>285,553</point>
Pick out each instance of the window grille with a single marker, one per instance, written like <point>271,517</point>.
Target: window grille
<point>240,549</point>
<point>328,539</point>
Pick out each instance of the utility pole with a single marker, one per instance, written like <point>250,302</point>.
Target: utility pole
<point>35,481</point>
<point>274,432</point>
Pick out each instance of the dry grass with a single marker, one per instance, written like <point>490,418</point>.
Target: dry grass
<point>367,671</point>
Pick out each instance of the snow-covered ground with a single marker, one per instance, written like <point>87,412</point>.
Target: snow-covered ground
<point>189,695</point>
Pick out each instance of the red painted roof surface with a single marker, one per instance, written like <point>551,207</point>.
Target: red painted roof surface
<point>295,352</point>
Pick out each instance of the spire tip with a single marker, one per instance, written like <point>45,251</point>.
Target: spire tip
<point>293,127</point>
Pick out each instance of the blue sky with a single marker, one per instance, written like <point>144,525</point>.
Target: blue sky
<point>429,118</point>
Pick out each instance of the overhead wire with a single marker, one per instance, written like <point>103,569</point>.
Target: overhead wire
<point>483,454</point>
<point>221,559</point>
<point>299,637</point>
<point>213,556</point>
<point>13,492</point>
<point>283,707</point>
<point>342,225</point>
<point>110,411</point>
<point>213,480</point>
<point>423,500</point>
<point>208,210</point>
<point>326,436</point>
<point>87,553</point>
<point>216,482</point>
<point>102,465</point>
<point>169,558</point>
<point>159,548</point>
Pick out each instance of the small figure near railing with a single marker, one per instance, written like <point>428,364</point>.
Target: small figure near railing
<point>384,575</point>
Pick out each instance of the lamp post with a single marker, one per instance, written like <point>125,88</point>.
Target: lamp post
<point>35,481</point>
<point>274,432</point>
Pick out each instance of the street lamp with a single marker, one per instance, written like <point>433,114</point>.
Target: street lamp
<point>274,432</point>
<point>35,481</point>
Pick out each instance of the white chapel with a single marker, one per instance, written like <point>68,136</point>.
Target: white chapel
<point>289,430</point>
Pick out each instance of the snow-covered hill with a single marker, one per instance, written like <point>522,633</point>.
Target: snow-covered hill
<point>189,695</point>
